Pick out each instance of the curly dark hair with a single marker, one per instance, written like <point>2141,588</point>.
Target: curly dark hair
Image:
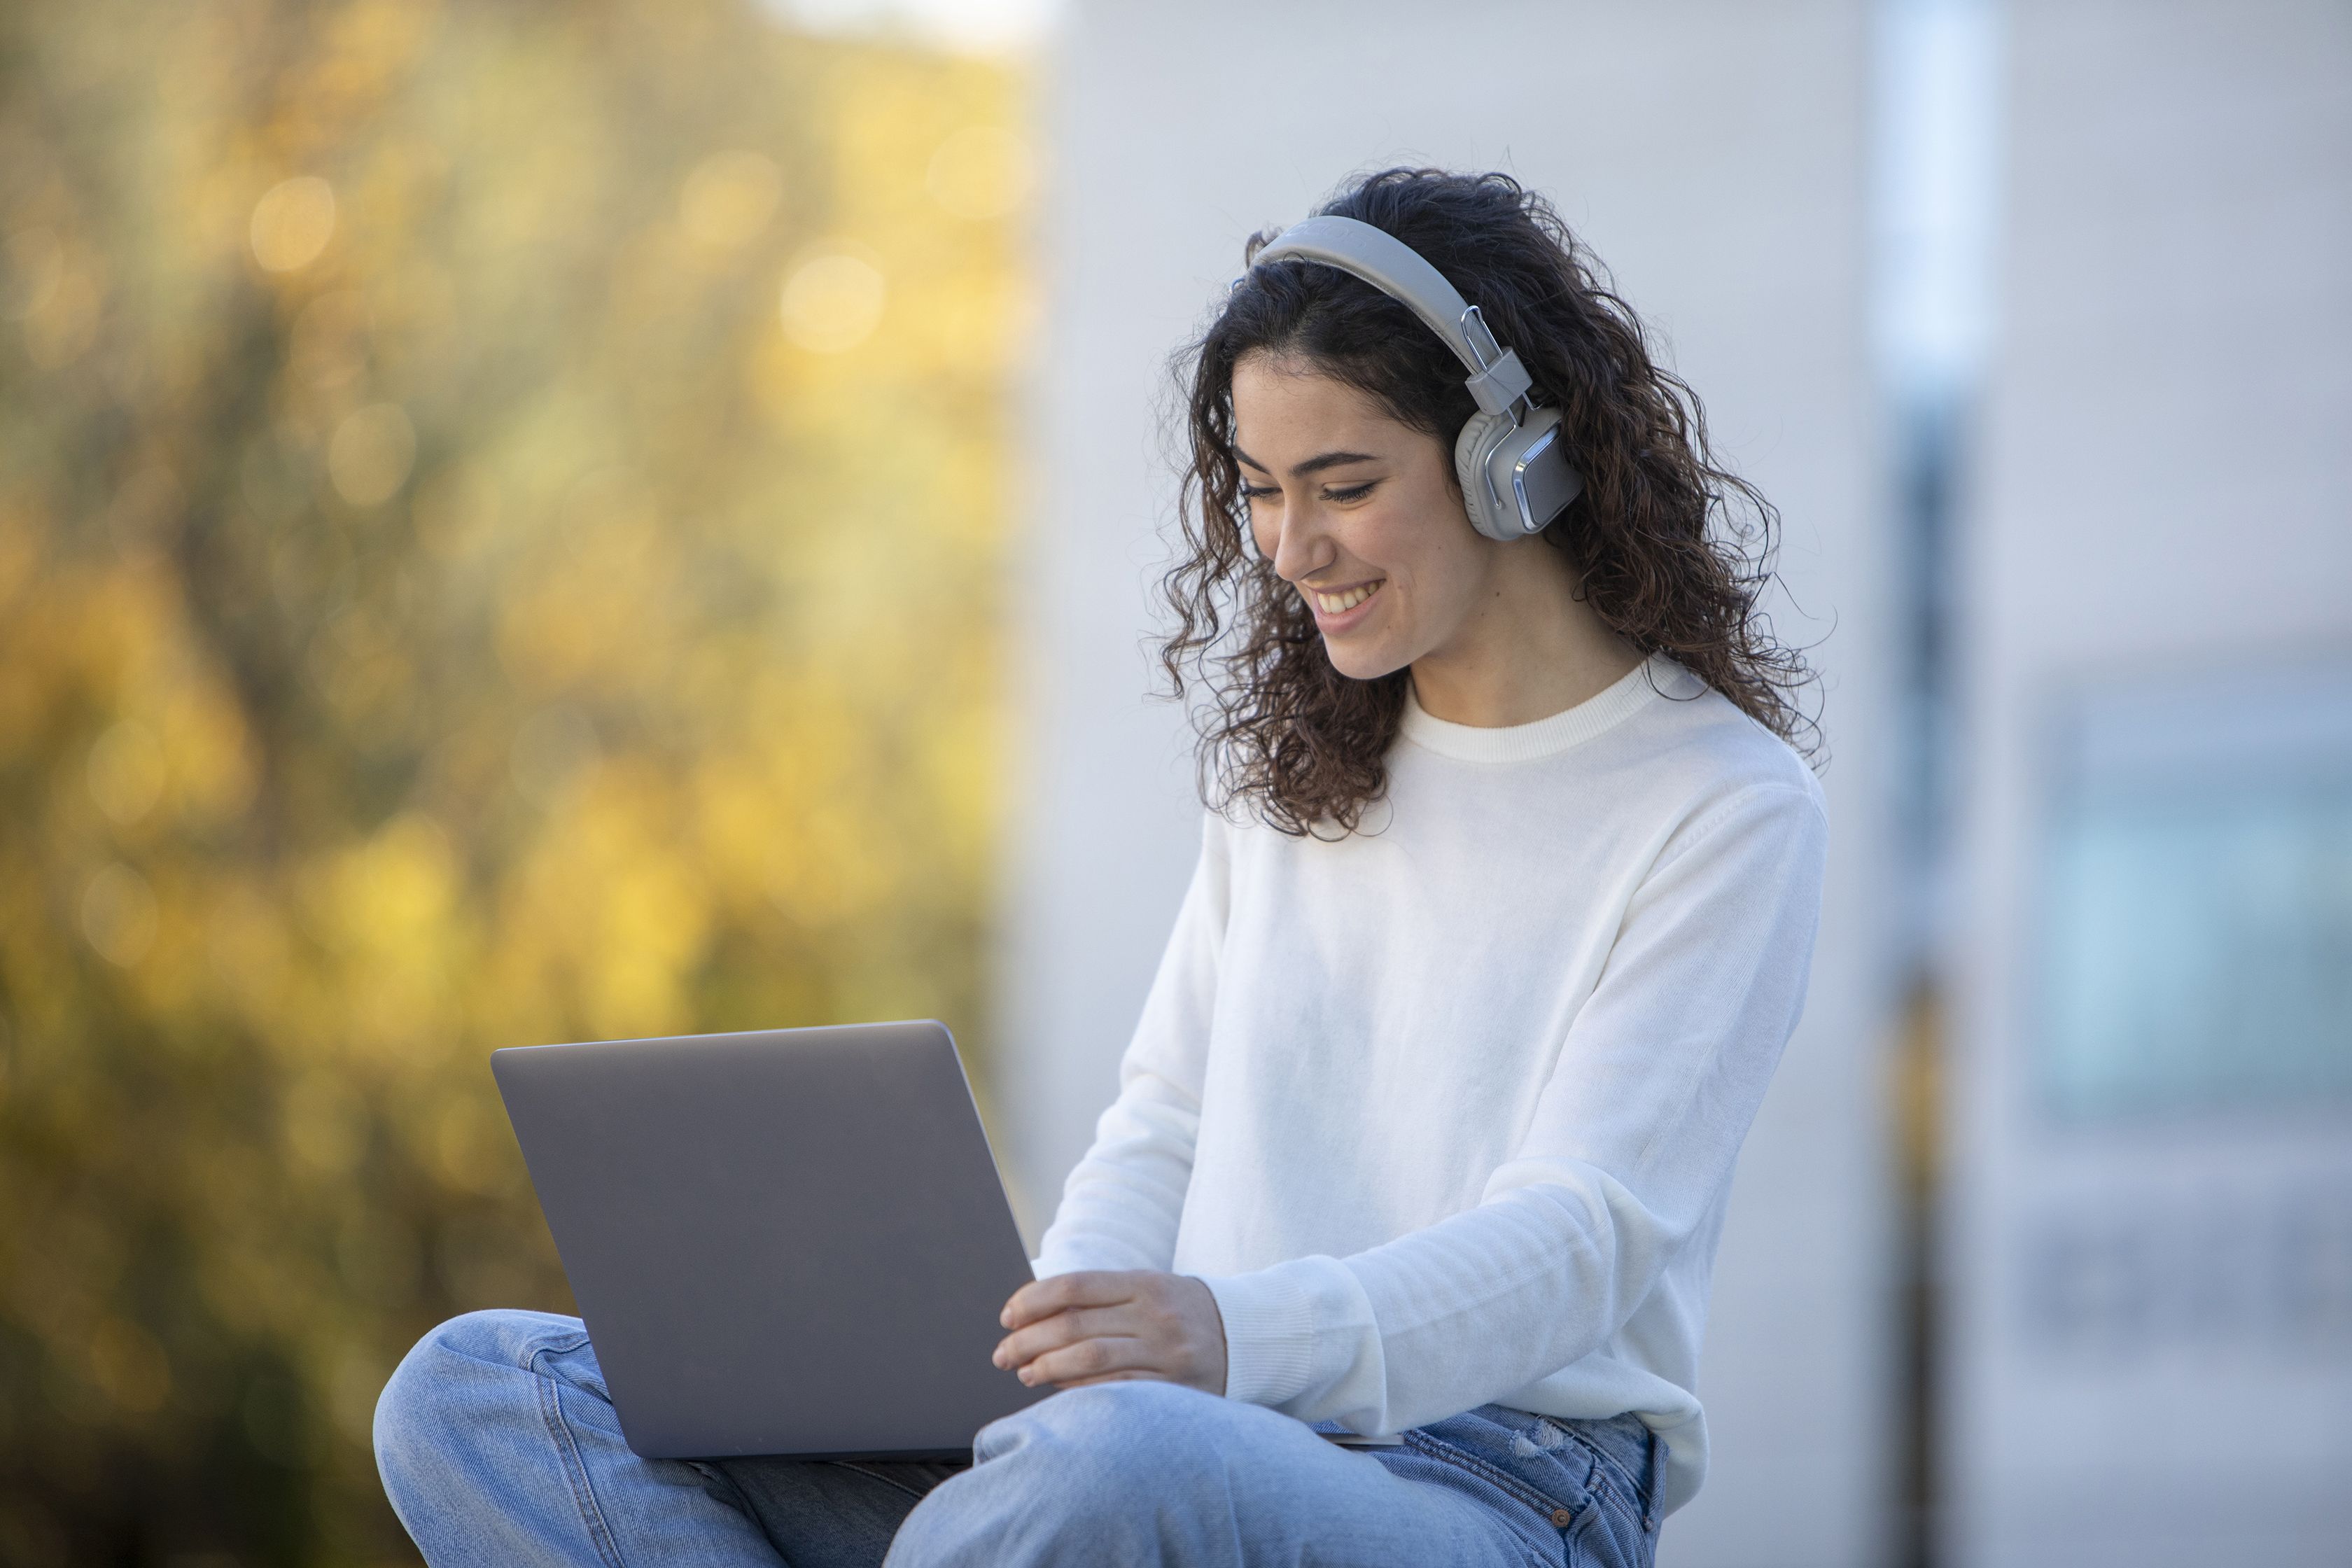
<point>1673,549</point>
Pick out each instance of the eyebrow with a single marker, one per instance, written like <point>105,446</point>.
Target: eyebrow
<point>1314,465</point>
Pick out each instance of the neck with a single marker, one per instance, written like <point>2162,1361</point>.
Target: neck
<point>1530,649</point>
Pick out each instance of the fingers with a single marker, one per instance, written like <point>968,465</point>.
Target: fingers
<point>1106,1325</point>
<point>1025,1345</point>
<point>1102,1360</point>
<point>1115,1377</point>
<point>1043,1299</point>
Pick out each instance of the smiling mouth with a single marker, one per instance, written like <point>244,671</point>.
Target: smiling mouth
<point>1347,599</point>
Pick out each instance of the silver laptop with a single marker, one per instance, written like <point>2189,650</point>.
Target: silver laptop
<point>790,1242</point>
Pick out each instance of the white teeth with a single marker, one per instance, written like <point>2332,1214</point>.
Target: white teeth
<point>1340,604</point>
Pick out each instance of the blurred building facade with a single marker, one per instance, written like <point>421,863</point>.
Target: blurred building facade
<point>2149,1253</point>
<point>1714,157</point>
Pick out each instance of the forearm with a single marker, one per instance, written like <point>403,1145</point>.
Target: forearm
<point>1446,1319</point>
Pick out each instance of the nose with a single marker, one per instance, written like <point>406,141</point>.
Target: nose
<point>1301,548</point>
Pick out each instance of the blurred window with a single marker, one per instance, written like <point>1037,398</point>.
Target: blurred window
<point>2198,897</point>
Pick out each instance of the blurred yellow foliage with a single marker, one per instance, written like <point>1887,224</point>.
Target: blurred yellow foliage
<point>499,524</point>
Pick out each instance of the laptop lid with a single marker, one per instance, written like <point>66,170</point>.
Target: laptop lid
<point>791,1242</point>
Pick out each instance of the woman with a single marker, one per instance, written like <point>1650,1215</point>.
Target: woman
<point>1500,923</point>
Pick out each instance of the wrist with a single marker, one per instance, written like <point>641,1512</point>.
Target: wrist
<point>1212,1356</point>
<point>1268,1325</point>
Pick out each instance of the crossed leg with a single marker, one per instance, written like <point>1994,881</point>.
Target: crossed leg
<point>498,1445</point>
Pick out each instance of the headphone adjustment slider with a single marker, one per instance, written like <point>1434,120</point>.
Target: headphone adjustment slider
<point>1501,386</point>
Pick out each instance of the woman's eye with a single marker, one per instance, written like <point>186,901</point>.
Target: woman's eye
<point>1349,492</point>
<point>1258,492</point>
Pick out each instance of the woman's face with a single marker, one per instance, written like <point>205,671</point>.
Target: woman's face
<point>1358,512</point>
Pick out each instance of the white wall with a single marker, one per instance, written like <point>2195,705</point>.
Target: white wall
<point>1712,153</point>
<point>2166,496</point>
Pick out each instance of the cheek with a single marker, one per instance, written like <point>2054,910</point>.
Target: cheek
<point>1402,543</point>
<point>1440,574</point>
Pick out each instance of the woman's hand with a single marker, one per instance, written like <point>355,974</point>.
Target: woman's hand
<point>1100,1326</point>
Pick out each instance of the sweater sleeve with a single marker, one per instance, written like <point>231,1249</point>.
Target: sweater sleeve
<point>1630,1147</point>
<point>1120,1206</point>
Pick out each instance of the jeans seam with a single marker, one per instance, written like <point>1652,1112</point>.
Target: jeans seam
<point>575,1468</point>
<point>1494,1475</point>
<point>1614,1476</point>
<point>878,1476</point>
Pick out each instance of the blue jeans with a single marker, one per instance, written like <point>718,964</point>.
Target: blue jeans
<point>498,1446</point>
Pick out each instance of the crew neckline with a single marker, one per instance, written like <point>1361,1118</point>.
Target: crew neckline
<point>1571,727</point>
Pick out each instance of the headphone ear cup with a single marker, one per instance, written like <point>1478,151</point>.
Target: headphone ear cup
<point>1528,468</point>
<point>1489,515</point>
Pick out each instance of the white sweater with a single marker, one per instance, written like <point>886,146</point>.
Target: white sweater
<point>1445,1111</point>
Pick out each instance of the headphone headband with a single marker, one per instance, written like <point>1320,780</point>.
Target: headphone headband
<point>1496,378</point>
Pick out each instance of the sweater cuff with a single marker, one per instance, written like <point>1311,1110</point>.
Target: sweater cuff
<point>1269,1335</point>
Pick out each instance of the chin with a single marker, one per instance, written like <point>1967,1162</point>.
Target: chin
<point>1360,663</point>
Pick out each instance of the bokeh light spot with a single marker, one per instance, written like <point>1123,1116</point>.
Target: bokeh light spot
<point>730,197</point>
<point>982,171</point>
<point>65,322</point>
<point>372,453</point>
<point>833,302</point>
<point>126,771</point>
<point>36,265</point>
<point>119,915</point>
<point>292,223</point>
<point>126,1361</point>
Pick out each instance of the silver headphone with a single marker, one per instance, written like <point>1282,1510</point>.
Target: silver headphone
<point>1509,459</point>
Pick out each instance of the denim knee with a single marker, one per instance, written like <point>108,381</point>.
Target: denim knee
<point>1119,1472</point>
<point>458,1383</point>
<point>1117,1435</point>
